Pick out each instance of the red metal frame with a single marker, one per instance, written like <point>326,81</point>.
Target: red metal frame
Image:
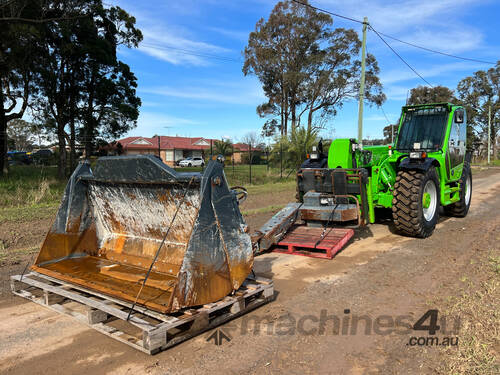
<point>302,240</point>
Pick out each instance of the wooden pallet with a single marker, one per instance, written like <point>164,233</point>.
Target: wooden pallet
<point>146,330</point>
<point>307,241</point>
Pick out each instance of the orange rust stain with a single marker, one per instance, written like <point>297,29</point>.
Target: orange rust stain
<point>164,196</point>
<point>58,245</point>
<point>208,284</point>
<point>86,271</point>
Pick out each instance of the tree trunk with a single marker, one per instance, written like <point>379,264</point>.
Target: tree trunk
<point>282,122</point>
<point>72,135</point>
<point>88,133</point>
<point>4,165</point>
<point>309,120</point>
<point>62,162</point>
<point>286,112</point>
<point>72,146</point>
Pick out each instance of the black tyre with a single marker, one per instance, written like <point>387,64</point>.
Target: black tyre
<point>415,206</point>
<point>461,208</point>
<point>189,164</point>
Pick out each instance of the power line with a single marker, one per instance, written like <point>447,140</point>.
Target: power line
<point>438,52</point>
<point>328,12</point>
<point>375,31</point>
<point>397,39</point>
<point>189,52</point>
<point>398,55</point>
<point>387,119</point>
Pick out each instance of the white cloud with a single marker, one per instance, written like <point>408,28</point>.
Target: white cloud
<point>400,15</point>
<point>242,93</point>
<point>230,33</point>
<point>435,24</point>
<point>439,70</point>
<point>162,43</point>
<point>167,40</point>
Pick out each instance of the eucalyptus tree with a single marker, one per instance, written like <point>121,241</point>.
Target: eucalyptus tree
<point>306,67</point>
<point>84,87</point>
<point>19,51</point>
<point>480,93</point>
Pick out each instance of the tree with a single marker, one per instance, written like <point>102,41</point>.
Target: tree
<point>21,133</point>
<point>427,95</point>
<point>292,150</point>
<point>253,141</point>
<point>479,93</point>
<point>84,87</point>
<point>390,133</point>
<point>19,51</point>
<point>223,147</point>
<point>271,128</point>
<point>277,53</point>
<point>335,78</point>
<point>60,75</point>
<point>305,67</point>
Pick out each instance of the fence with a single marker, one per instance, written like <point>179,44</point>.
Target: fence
<point>257,167</point>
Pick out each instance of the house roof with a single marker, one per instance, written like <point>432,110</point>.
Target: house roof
<point>180,143</point>
<point>166,143</point>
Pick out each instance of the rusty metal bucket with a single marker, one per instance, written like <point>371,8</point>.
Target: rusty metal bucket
<point>113,219</point>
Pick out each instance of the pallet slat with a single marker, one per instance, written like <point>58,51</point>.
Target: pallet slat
<point>307,241</point>
<point>160,331</point>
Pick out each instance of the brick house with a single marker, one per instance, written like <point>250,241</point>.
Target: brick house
<point>174,149</point>
<point>171,149</point>
<point>241,149</point>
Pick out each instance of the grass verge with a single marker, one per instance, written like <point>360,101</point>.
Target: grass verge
<point>477,307</point>
<point>29,186</point>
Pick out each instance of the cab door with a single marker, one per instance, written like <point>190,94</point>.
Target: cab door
<point>456,145</point>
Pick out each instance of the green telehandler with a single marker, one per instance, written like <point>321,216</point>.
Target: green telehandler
<point>426,167</point>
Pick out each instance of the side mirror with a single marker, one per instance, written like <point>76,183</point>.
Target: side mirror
<point>459,117</point>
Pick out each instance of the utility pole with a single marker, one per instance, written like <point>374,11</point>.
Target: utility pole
<point>362,83</point>
<point>489,132</point>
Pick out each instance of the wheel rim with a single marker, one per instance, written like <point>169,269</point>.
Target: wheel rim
<point>468,190</point>
<point>429,200</point>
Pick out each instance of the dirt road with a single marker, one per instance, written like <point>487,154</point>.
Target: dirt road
<point>379,277</point>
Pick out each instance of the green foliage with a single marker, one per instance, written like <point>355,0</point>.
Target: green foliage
<point>21,133</point>
<point>306,67</point>
<point>30,186</point>
<point>257,158</point>
<point>223,147</point>
<point>390,133</point>
<point>19,53</point>
<point>478,93</point>
<point>293,149</point>
<point>428,95</point>
<point>80,88</point>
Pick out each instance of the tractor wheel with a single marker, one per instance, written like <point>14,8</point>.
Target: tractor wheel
<point>415,206</point>
<point>461,208</point>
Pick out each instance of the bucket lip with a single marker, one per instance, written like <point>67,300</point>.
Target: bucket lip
<point>180,179</point>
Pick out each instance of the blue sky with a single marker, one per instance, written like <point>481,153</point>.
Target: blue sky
<point>195,95</point>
